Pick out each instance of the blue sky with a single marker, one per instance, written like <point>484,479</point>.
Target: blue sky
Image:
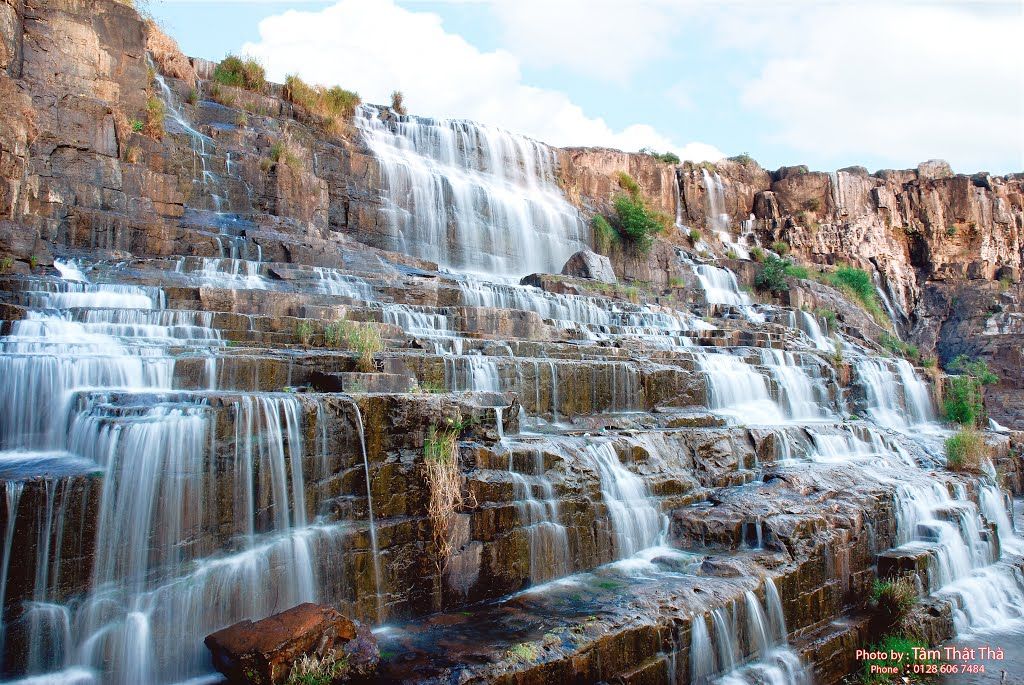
<point>825,83</point>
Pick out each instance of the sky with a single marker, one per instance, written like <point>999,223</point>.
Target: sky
<point>827,83</point>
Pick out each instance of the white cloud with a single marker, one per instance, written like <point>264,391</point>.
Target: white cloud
<point>903,83</point>
<point>604,39</point>
<point>376,47</point>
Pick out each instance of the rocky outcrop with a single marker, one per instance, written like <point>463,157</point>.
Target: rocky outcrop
<point>587,264</point>
<point>264,652</point>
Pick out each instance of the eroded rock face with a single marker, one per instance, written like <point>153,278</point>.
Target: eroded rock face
<point>587,264</point>
<point>264,652</point>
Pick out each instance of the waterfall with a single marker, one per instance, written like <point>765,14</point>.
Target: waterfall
<point>635,518</point>
<point>804,398</point>
<point>736,389</point>
<point>548,538</point>
<point>469,196</point>
<point>894,395</point>
<point>719,285</point>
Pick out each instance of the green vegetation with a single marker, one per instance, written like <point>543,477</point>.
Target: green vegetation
<point>780,247</point>
<point>930,363</point>
<point>856,284</point>
<point>906,350</point>
<point>797,271</point>
<point>757,254</point>
<point>951,232</point>
<point>837,354</point>
<point>137,125</point>
<point>523,652</point>
<point>966,450</point>
<point>241,73</point>
<point>280,152</point>
<point>331,107</point>
<point>604,234</point>
<point>304,332</point>
<point>398,102</point>
<point>33,261</point>
<point>364,338</point>
<point>677,282</point>
<point>192,97</point>
<point>632,222</point>
<point>891,601</point>
<point>430,387</point>
<point>964,400</point>
<point>813,205</point>
<point>154,127</point>
<point>694,236</point>
<point>744,159</point>
<point>900,660</point>
<point>314,670</point>
<point>6,264</point>
<point>1004,284</point>
<point>731,254</point>
<point>667,157</point>
<point>772,276</point>
<point>829,317</point>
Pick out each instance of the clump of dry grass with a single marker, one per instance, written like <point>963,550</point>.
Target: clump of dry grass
<point>154,124</point>
<point>167,56</point>
<point>364,338</point>
<point>444,480</point>
<point>330,108</point>
<point>966,450</point>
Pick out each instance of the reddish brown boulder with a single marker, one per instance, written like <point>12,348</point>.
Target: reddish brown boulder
<point>264,651</point>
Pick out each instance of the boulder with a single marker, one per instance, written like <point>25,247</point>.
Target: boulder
<point>265,651</point>
<point>587,264</point>
<point>934,169</point>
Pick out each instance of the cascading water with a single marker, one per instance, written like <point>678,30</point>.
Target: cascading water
<point>471,197</point>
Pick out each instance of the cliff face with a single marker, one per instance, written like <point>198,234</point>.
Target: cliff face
<point>947,249</point>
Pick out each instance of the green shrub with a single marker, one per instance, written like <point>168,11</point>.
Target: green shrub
<point>6,264</point>
<point>964,399</point>
<point>637,223</point>
<point>193,96</point>
<point>731,254</point>
<point>966,450</point>
<point>138,125</point>
<point>772,276</point>
<point>633,221</point>
<point>930,362</point>
<point>757,254</point>
<point>891,601</point>
<point>694,236</point>
<point>780,247</point>
<point>241,73</point>
<point>813,204</point>
<point>951,232</point>
<point>744,159</point>
<point>667,157</point>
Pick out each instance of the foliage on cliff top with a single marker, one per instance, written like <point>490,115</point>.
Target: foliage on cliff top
<point>331,107</point>
<point>241,73</point>
<point>666,157</point>
<point>633,221</point>
<point>964,399</point>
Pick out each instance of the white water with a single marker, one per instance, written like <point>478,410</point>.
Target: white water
<point>471,197</point>
<point>636,522</point>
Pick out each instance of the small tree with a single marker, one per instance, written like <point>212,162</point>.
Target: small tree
<point>772,276</point>
<point>398,102</point>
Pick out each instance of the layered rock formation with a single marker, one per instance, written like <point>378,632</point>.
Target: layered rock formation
<point>237,381</point>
